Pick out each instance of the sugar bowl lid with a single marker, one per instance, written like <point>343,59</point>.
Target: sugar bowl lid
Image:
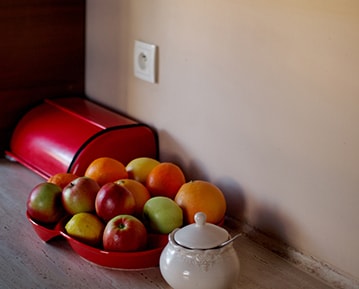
<point>201,235</point>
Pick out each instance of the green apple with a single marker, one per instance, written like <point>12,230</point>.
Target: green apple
<point>44,203</point>
<point>162,214</point>
<point>139,168</point>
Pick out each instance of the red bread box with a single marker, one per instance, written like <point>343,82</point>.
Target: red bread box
<point>66,134</point>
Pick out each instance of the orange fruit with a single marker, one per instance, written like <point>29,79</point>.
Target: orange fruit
<point>201,196</point>
<point>139,168</point>
<point>106,170</point>
<point>139,192</point>
<point>62,179</point>
<point>165,179</point>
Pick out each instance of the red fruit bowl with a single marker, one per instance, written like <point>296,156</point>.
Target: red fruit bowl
<point>45,232</point>
<point>122,260</point>
<point>116,260</point>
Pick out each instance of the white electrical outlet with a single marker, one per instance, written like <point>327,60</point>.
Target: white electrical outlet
<point>145,61</point>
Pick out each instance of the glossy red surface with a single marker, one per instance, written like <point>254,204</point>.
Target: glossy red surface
<point>45,232</point>
<point>66,134</point>
<point>122,260</point>
<point>116,260</point>
<point>121,143</point>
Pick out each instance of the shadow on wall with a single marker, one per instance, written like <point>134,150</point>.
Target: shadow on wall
<point>194,169</point>
<point>272,229</point>
<point>267,225</point>
<point>270,221</point>
<point>236,203</point>
<point>171,151</point>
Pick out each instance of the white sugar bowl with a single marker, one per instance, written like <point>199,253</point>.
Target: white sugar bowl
<point>201,256</point>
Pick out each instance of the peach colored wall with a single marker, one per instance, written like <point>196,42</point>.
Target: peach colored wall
<point>260,97</point>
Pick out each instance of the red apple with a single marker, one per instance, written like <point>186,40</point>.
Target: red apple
<point>80,195</point>
<point>44,203</point>
<point>124,233</point>
<point>112,200</point>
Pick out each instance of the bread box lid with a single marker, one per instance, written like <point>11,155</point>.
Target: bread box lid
<point>67,134</point>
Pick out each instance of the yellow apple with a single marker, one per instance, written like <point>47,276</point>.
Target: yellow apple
<point>139,168</point>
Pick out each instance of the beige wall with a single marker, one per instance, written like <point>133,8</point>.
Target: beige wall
<point>260,97</point>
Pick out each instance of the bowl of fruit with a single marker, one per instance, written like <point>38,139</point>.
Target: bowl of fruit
<point>146,257</point>
<point>119,216</point>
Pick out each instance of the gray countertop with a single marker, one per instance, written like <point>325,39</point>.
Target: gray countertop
<point>28,262</point>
